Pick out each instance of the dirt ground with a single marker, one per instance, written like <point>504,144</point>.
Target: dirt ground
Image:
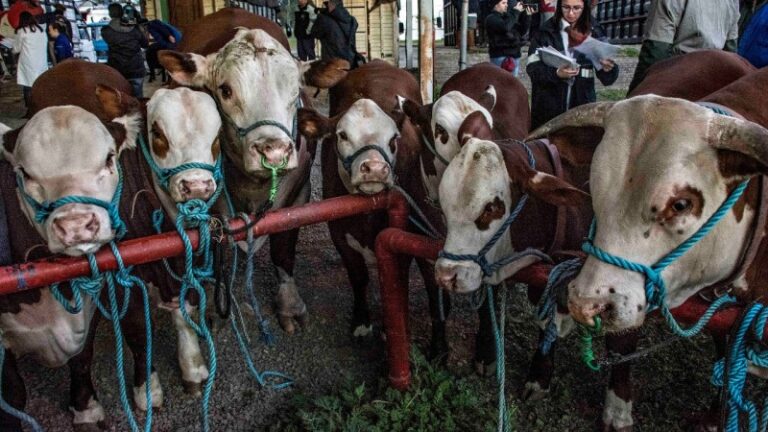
<point>670,384</point>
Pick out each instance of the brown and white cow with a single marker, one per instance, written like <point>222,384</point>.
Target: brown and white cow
<point>61,151</point>
<point>662,168</point>
<point>257,85</point>
<point>368,145</point>
<point>484,87</point>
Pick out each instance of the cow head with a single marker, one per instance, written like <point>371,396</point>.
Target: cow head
<point>366,141</point>
<point>183,128</point>
<point>440,123</point>
<point>481,187</point>
<point>256,83</point>
<point>663,167</point>
<point>65,151</point>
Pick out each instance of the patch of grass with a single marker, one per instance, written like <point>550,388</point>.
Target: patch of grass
<point>629,52</point>
<point>436,401</point>
<point>610,94</point>
<point>436,92</point>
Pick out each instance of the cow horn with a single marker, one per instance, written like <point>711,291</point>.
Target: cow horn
<point>591,114</point>
<point>745,137</point>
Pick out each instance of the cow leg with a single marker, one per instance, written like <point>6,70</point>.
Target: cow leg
<point>88,413</point>
<point>709,421</point>
<point>438,348</point>
<point>485,345</point>
<point>617,412</point>
<point>14,393</point>
<point>351,251</point>
<point>134,329</point>
<point>193,368</point>
<point>540,371</point>
<point>291,309</point>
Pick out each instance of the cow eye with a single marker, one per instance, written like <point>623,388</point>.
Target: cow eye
<point>681,205</point>
<point>24,173</point>
<point>110,162</point>
<point>393,143</point>
<point>226,91</point>
<point>441,134</point>
<point>343,136</point>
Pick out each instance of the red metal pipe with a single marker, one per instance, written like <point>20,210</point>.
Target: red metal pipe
<point>44,272</point>
<point>391,243</point>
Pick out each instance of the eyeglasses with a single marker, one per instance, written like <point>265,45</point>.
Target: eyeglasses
<point>574,9</point>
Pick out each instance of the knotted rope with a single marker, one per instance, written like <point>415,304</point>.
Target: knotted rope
<point>557,286</point>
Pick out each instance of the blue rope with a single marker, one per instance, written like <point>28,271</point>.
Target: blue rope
<point>266,334</point>
<point>5,406</point>
<point>92,287</point>
<point>479,258</point>
<point>739,357</point>
<point>498,334</point>
<point>164,175</point>
<point>557,284</point>
<point>655,288</point>
<point>44,209</point>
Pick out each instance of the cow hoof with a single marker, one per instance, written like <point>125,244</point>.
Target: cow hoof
<point>287,323</point>
<point>362,331</point>
<point>609,428</point>
<point>90,427</point>
<point>533,392</point>
<point>92,418</point>
<point>156,391</point>
<point>194,389</point>
<point>485,370</point>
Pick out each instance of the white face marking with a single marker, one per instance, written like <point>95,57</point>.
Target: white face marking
<point>449,112</point>
<point>46,331</point>
<point>191,362</point>
<point>363,124</point>
<point>190,123</point>
<point>639,168</point>
<point>476,177</point>
<point>617,412</point>
<point>65,150</point>
<point>155,389</point>
<point>252,68</point>
<point>94,413</point>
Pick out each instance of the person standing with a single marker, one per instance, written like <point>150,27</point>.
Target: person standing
<point>125,43</point>
<point>32,46</point>
<point>334,28</point>
<point>165,37</point>
<point>680,26</point>
<point>303,20</point>
<point>62,46</point>
<point>505,33</point>
<point>556,90</point>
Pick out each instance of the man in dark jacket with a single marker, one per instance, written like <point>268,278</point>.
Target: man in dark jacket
<point>165,37</point>
<point>302,22</point>
<point>505,32</point>
<point>334,28</point>
<point>125,44</point>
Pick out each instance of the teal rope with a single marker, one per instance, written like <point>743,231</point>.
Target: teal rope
<point>655,288</point>
<point>739,356</point>
<point>5,406</point>
<point>557,285</point>
<point>498,334</point>
<point>164,175</point>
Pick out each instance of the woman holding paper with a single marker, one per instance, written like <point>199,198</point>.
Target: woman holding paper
<point>566,79</point>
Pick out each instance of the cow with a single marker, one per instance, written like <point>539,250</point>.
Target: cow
<point>63,151</point>
<point>654,185</point>
<point>242,69</point>
<point>484,87</point>
<point>368,145</point>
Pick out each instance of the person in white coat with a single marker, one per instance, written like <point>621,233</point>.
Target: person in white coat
<point>32,46</point>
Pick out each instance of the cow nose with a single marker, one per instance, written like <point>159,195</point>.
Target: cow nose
<point>76,228</point>
<point>196,189</point>
<point>446,276</point>
<point>585,309</point>
<point>374,169</point>
<point>275,151</point>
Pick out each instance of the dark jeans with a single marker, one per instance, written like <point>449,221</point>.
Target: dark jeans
<point>138,87</point>
<point>27,92</point>
<point>306,47</point>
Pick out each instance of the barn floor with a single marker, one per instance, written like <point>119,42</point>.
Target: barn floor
<point>670,384</point>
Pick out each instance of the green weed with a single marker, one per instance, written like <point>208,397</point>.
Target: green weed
<point>611,94</point>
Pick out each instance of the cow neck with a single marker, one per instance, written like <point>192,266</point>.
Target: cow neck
<point>558,239</point>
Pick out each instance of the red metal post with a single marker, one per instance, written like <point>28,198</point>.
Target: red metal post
<point>44,272</point>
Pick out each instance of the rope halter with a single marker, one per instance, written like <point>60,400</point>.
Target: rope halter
<point>349,160</point>
<point>43,210</point>
<point>480,258</point>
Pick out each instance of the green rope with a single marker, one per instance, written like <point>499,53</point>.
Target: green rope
<point>275,169</point>
<point>587,353</point>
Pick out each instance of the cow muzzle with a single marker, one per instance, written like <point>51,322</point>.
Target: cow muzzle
<point>79,230</point>
<point>458,277</point>
<point>274,152</point>
<point>192,184</point>
<point>371,176</point>
<point>617,310</point>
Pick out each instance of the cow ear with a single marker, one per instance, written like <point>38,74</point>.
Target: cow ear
<point>312,124</point>
<point>420,115</point>
<point>187,69</point>
<point>555,191</point>
<point>324,73</point>
<point>487,100</point>
<point>125,114</point>
<point>741,146</point>
<point>475,126</point>
<point>8,138</point>
<point>114,102</point>
<point>577,132</point>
